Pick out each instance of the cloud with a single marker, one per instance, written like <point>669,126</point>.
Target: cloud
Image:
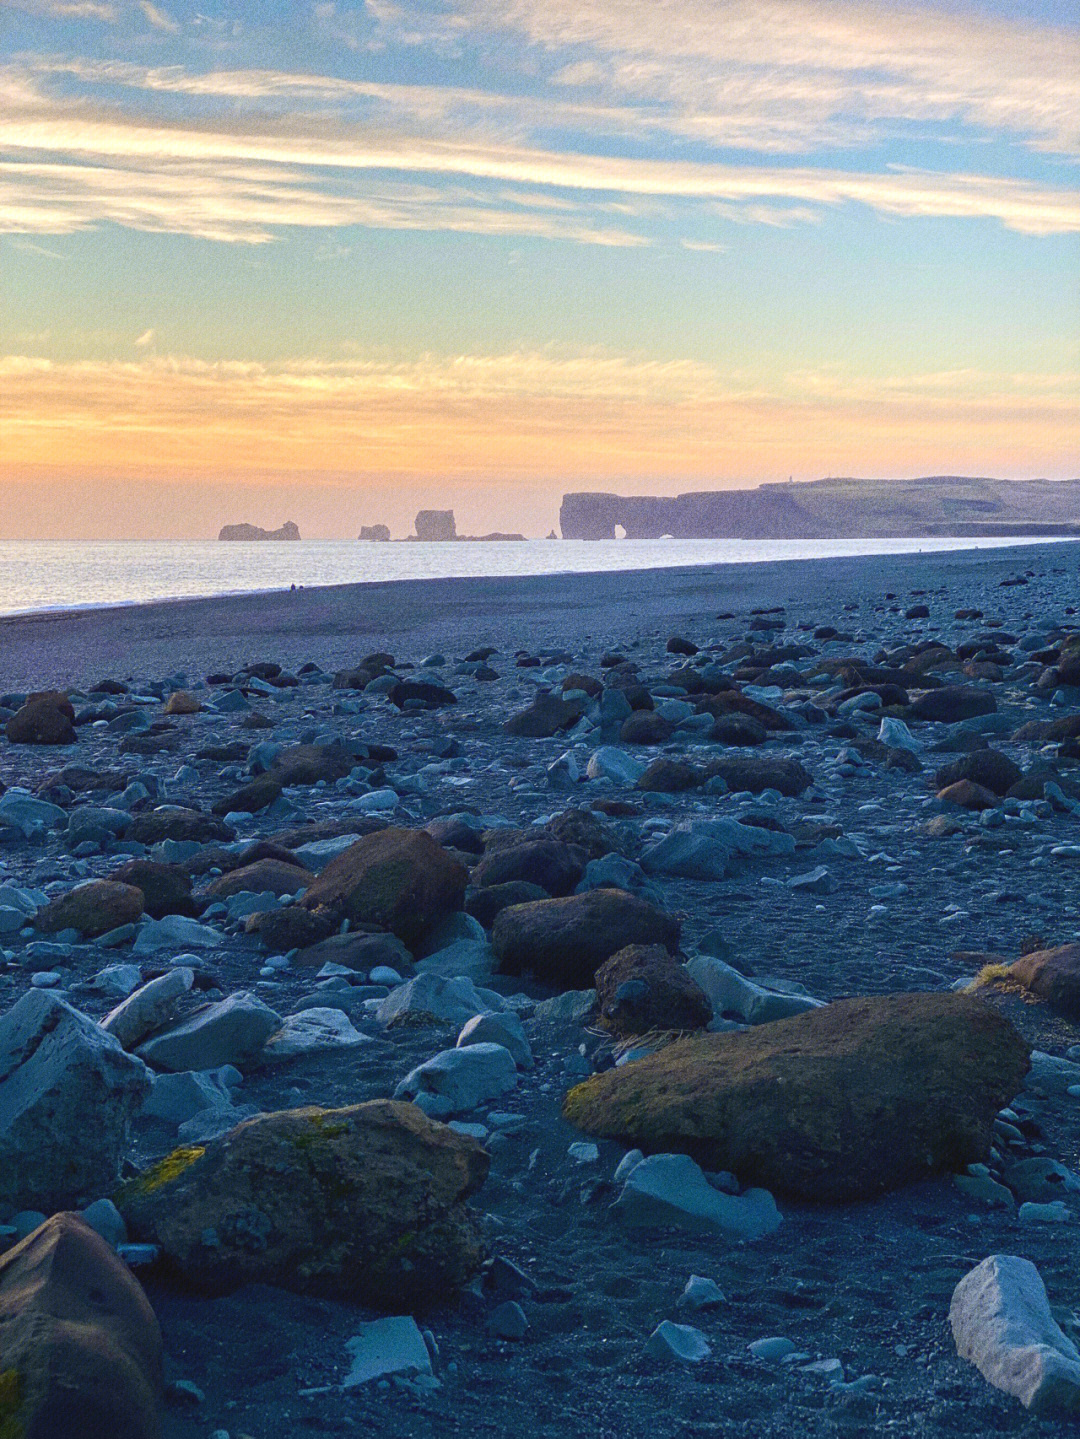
<point>68,9</point>
<point>159,160</point>
<point>143,340</point>
<point>159,18</point>
<point>560,418</point>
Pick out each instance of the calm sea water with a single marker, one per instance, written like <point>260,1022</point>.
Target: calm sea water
<point>48,575</point>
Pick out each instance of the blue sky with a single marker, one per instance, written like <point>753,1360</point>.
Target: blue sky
<point>353,257</point>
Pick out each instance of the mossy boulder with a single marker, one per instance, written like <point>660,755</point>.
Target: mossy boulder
<point>644,988</point>
<point>842,1102</point>
<point>92,908</point>
<point>399,879</point>
<point>1053,975</point>
<point>365,1203</point>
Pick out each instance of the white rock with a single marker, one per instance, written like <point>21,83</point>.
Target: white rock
<point>730,992</point>
<point>386,1346</point>
<point>701,1293</point>
<point>895,734</point>
<point>312,1031</point>
<point>672,1189</point>
<point>230,1032</point>
<point>148,1008</point>
<point>175,931</point>
<point>68,1092</point>
<point>681,1342</point>
<point>176,1098</point>
<point>1001,1322</point>
<point>462,1079</point>
<point>609,762</point>
<point>454,1000</point>
<point>505,1029</point>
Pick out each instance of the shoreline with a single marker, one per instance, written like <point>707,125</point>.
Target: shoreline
<point>335,624</point>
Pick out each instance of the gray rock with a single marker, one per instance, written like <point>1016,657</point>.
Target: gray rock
<point>505,1029</point>
<point>386,1346</point>
<point>465,958</point>
<point>104,1217</point>
<point>175,931</point>
<point>712,849</point>
<point>461,1079</point>
<point>672,1189</point>
<point>609,762</point>
<point>312,1031</point>
<point>1001,1322</point>
<point>679,1342</point>
<point>230,1032</point>
<point>176,1098</point>
<point>148,1008</point>
<point>701,1293</point>
<point>68,1093</point>
<point>730,992</point>
<point>454,1000</point>
<point>572,1007</point>
<point>508,1321</point>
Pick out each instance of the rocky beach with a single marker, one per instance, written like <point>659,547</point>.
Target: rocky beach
<point>619,1004</point>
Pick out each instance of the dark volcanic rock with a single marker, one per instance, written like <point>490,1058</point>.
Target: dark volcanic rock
<point>180,824</point>
<point>546,716</point>
<point>400,879</point>
<point>366,1203</point>
<point>644,988</point>
<point>276,875</point>
<point>485,904</point>
<point>166,888</point>
<point>431,696</point>
<point>645,727</point>
<point>45,718</point>
<point>564,941</point>
<point>80,1348</point>
<point>987,767</point>
<point>358,951</point>
<point>759,772</point>
<point>669,776</point>
<point>251,798</point>
<point>304,764</point>
<point>839,1103</point>
<point>92,908</point>
<point>952,703</point>
<point>554,866</point>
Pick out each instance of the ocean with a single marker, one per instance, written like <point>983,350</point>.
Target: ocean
<point>37,575</point>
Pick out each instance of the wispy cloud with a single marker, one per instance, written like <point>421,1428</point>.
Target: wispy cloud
<point>160,19</point>
<point>141,342</point>
<point>68,9</point>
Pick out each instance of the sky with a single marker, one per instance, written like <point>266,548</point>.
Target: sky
<point>337,260</point>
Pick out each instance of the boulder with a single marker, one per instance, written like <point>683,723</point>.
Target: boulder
<point>459,1080</point>
<point>315,1030</point>
<point>951,704</point>
<point>643,988</point>
<point>546,716</point>
<point>1002,1323</point>
<point>46,718</point>
<point>452,1001</point>
<point>68,1093</point>
<point>1053,975</point>
<point>759,772</point>
<point>250,798</point>
<point>232,1031</point>
<point>265,875</point>
<point>966,794</point>
<point>365,1203</point>
<point>711,849</point>
<point>668,1190</point>
<point>669,776</point>
<point>731,993</point>
<point>179,824</point>
<point>305,764</point>
<point>554,866</point>
<point>357,951</point>
<point>399,879</point>
<point>149,1007</point>
<point>486,904</point>
<point>80,1348</point>
<point>166,888</point>
<point>182,702</point>
<point>564,941</point>
<point>645,727</point>
<point>986,767</point>
<point>504,1028</point>
<point>840,1103</point>
<point>92,908</point>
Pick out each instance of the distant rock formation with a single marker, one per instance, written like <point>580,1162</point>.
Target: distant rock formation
<point>288,531</point>
<point>436,525</point>
<point>496,535</point>
<point>378,534</point>
<point>833,508</point>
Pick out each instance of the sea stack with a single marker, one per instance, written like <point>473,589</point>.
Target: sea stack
<point>288,531</point>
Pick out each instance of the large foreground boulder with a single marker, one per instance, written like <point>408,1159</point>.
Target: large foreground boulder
<point>45,718</point>
<point>401,879</point>
<point>366,1203</point>
<point>758,772</point>
<point>565,941</point>
<point>68,1093</point>
<point>80,1348</point>
<point>842,1102</point>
